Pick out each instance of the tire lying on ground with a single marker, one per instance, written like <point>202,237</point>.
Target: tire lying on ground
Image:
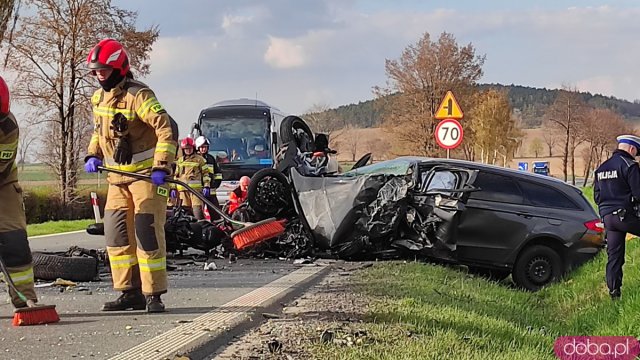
<point>74,268</point>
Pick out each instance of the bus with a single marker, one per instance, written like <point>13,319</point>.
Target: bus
<point>243,137</point>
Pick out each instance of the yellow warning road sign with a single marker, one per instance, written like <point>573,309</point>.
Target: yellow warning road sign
<point>449,108</point>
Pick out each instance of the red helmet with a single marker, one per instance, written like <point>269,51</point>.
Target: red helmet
<point>187,142</point>
<point>4,97</point>
<point>109,54</point>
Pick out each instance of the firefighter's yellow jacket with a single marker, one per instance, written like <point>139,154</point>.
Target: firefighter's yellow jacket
<point>193,170</point>
<point>153,134</point>
<point>8,149</point>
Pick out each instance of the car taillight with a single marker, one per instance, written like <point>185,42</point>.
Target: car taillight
<point>595,225</point>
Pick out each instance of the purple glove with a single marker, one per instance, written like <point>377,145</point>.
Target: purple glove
<point>157,177</point>
<point>206,191</point>
<point>173,193</point>
<point>91,166</point>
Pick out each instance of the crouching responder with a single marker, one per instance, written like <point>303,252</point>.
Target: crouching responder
<point>202,144</point>
<point>192,169</point>
<point>239,194</point>
<point>617,192</point>
<point>14,246</point>
<point>134,133</point>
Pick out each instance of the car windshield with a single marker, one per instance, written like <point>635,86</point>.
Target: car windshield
<point>398,166</point>
<point>238,139</point>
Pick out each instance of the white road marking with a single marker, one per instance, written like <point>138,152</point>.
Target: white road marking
<point>218,320</point>
<point>64,233</point>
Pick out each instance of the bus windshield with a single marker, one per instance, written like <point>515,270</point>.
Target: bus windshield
<point>238,137</point>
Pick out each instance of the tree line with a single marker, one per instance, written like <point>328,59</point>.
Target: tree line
<point>529,105</point>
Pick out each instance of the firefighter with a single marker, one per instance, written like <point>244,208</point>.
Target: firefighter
<point>192,169</point>
<point>14,245</point>
<point>202,144</point>
<point>132,132</point>
<point>617,194</point>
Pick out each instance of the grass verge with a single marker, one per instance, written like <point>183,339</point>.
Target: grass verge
<point>425,311</point>
<point>55,227</point>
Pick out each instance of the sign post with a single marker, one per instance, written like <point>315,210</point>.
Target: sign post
<point>449,131</point>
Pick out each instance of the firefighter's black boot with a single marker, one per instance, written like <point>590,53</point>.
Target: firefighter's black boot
<point>129,300</point>
<point>154,304</point>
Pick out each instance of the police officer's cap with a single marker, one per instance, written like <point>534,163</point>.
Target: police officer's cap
<point>629,139</point>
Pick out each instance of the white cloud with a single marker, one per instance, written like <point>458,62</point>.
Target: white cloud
<point>284,54</point>
<point>293,56</point>
<point>229,21</point>
<point>170,54</point>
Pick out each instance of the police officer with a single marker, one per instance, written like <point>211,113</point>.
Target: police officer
<point>617,194</point>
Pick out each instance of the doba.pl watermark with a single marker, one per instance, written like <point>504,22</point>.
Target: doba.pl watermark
<point>597,347</point>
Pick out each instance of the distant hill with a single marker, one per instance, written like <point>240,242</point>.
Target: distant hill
<point>527,102</point>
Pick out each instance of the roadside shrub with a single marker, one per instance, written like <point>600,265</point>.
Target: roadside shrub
<point>43,204</point>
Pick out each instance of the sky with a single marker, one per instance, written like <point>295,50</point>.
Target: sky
<point>294,54</point>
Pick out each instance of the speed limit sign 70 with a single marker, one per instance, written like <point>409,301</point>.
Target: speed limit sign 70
<point>449,134</point>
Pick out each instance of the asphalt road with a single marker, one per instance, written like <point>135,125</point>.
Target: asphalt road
<point>86,332</point>
<point>64,241</point>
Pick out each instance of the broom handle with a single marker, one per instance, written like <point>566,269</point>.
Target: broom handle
<point>169,180</point>
<point>9,280</point>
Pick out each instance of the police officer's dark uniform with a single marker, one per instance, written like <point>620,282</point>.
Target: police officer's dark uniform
<point>617,192</point>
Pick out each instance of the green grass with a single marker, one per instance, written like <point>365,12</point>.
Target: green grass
<point>39,172</point>
<point>54,227</point>
<point>424,311</point>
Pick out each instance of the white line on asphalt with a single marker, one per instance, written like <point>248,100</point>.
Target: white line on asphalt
<point>64,233</point>
<point>217,321</point>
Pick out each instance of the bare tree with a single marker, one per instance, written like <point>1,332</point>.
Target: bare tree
<point>536,146</point>
<point>416,84</point>
<point>550,138</point>
<point>565,116</point>
<point>49,49</point>
<point>28,134</point>
<point>322,119</point>
<point>8,12</point>
<point>350,141</point>
<point>599,131</point>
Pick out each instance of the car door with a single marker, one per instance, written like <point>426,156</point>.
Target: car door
<point>494,220</point>
<point>439,198</point>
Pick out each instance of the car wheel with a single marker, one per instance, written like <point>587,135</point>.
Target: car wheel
<point>269,192</point>
<point>536,267</point>
<point>295,129</point>
<point>490,274</point>
<point>74,268</point>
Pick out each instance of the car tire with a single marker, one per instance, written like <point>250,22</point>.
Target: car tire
<point>536,267</point>
<point>74,268</point>
<point>489,274</point>
<point>269,192</point>
<point>289,129</point>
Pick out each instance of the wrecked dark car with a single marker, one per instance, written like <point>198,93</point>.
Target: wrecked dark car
<point>494,220</point>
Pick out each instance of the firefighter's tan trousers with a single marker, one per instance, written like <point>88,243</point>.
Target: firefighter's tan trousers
<point>192,201</point>
<point>134,218</point>
<point>14,245</point>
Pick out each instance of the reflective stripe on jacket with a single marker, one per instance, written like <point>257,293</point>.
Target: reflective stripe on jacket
<point>152,133</point>
<point>9,134</point>
<point>192,169</point>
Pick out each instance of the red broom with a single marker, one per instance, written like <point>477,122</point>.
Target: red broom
<point>249,234</point>
<point>32,314</point>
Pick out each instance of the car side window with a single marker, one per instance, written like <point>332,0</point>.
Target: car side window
<point>539,195</point>
<point>498,188</point>
<point>440,180</point>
